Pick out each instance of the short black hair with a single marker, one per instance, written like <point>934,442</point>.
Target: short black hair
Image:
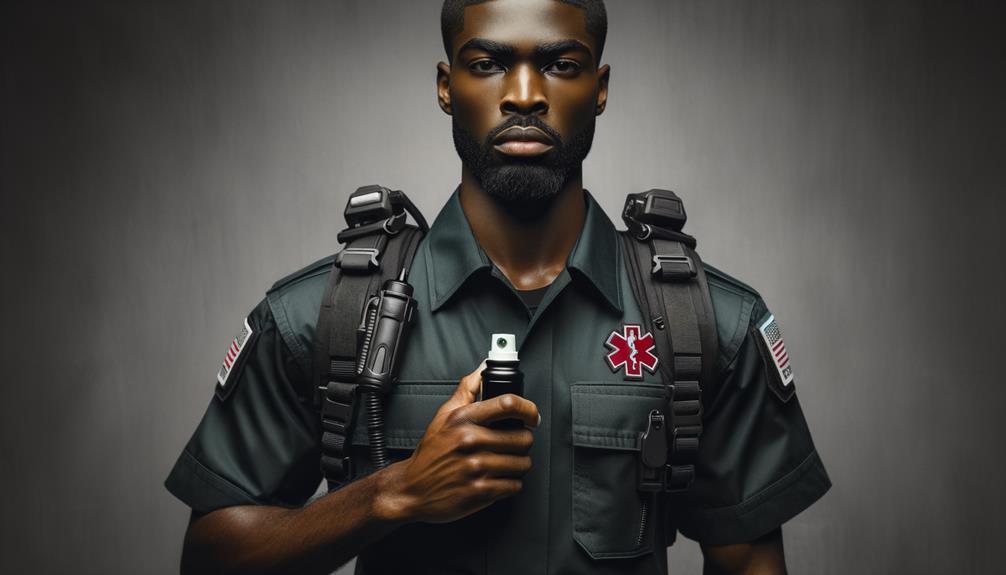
<point>452,21</point>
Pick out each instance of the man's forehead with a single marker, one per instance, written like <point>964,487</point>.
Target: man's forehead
<point>524,22</point>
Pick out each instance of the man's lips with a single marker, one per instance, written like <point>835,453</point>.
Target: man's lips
<point>517,141</point>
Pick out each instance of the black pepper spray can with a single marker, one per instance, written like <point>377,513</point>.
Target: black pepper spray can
<point>502,374</point>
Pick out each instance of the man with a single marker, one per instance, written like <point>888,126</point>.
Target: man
<point>520,247</point>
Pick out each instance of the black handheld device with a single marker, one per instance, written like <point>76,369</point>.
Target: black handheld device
<point>385,326</point>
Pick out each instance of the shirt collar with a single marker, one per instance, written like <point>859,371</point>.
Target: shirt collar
<point>455,253</point>
<point>596,255</point>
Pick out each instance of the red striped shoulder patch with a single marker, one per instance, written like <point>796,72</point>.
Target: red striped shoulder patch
<point>775,356</point>
<point>234,353</point>
<point>772,336</point>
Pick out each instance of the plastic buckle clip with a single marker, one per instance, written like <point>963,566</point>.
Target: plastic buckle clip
<point>678,478</point>
<point>337,469</point>
<point>673,268</point>
<point>358,259</point>
<point>337,406</point>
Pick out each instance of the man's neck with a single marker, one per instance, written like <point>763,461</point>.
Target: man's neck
<point>531,252</point>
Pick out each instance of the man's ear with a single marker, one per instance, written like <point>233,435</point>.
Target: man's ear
<point>603,73</point>
<point>444,87</point>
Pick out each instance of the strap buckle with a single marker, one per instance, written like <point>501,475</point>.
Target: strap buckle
<point>363,260</point>
<point>337,469</point>
<point>678,478</point>
<point>337,415</point>
<point>673,268</point>
<point>337,399</point>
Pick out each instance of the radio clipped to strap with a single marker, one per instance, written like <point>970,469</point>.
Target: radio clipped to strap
<point>372,209</point>
<point>656,214</point>
<point>378,246</point>
<point>669,283</point>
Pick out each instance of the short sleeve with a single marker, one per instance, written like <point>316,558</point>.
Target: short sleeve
<point>757,466</point>
<point>258,440</point>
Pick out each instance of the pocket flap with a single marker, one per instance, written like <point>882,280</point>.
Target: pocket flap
<point>408,410</point>
<point>612,415</point>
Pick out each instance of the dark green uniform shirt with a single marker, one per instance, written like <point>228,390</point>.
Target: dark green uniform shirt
<point>579,510</point>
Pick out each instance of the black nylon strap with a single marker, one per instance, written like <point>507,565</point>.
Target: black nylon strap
<point>673,285</point>
<point>636,256</point>
<point>348,288</point>
<point>359,272</point>
<point>668,281</point>
<point>703,305</point>
<point>351,282</point>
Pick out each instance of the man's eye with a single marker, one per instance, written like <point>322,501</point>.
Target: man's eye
<point>485,66</point>
<point>563,67</point>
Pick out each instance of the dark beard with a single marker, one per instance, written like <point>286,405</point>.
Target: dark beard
<point>525,186</point>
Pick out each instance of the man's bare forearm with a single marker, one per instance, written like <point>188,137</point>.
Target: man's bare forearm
<point>317,538</point>
<point>764,556</point>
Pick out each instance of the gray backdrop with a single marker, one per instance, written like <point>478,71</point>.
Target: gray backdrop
<point>162,163</point>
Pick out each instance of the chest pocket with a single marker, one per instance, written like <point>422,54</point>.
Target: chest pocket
<point>611,518</point>
<point>408,410</point>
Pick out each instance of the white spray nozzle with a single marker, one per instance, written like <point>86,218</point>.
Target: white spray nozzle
<point>503,347</point>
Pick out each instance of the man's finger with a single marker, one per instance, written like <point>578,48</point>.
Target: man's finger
<point>498,465</point>
<point>481,438</point>
<point>506,406</point>
<point>466,392</point>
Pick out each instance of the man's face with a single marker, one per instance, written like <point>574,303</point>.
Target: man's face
<point>523,91</point>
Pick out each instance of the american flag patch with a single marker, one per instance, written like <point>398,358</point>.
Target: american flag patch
<point>233,353</point>
<point>769,331</point>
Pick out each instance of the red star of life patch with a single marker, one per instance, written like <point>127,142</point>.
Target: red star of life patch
<point>631,350</point>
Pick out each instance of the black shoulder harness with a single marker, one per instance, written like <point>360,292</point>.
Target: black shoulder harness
<point>378,246</point>
<point>669,283</point>
<point>674,297</point>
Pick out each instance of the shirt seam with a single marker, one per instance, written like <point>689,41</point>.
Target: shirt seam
<point>755,501</point>
<point>286,332</point>
<point>214,480</point>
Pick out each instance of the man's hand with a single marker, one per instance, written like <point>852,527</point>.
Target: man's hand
<point>460,465</point>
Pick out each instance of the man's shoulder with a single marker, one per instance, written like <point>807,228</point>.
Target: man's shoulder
<point>305,277</point>
<point>302,290</point>
<point>294,301</point>
<point>735,305</point>
<point>725,282</point>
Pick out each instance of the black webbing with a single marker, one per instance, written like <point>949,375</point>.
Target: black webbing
<point>646,296</point>
<point>665,278</point>
<point>360,270</point>
<point>703,305</point>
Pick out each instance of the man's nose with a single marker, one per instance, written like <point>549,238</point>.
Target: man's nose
<point>524,92</point>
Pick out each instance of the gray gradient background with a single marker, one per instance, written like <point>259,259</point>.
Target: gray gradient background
<point>162,164</point>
